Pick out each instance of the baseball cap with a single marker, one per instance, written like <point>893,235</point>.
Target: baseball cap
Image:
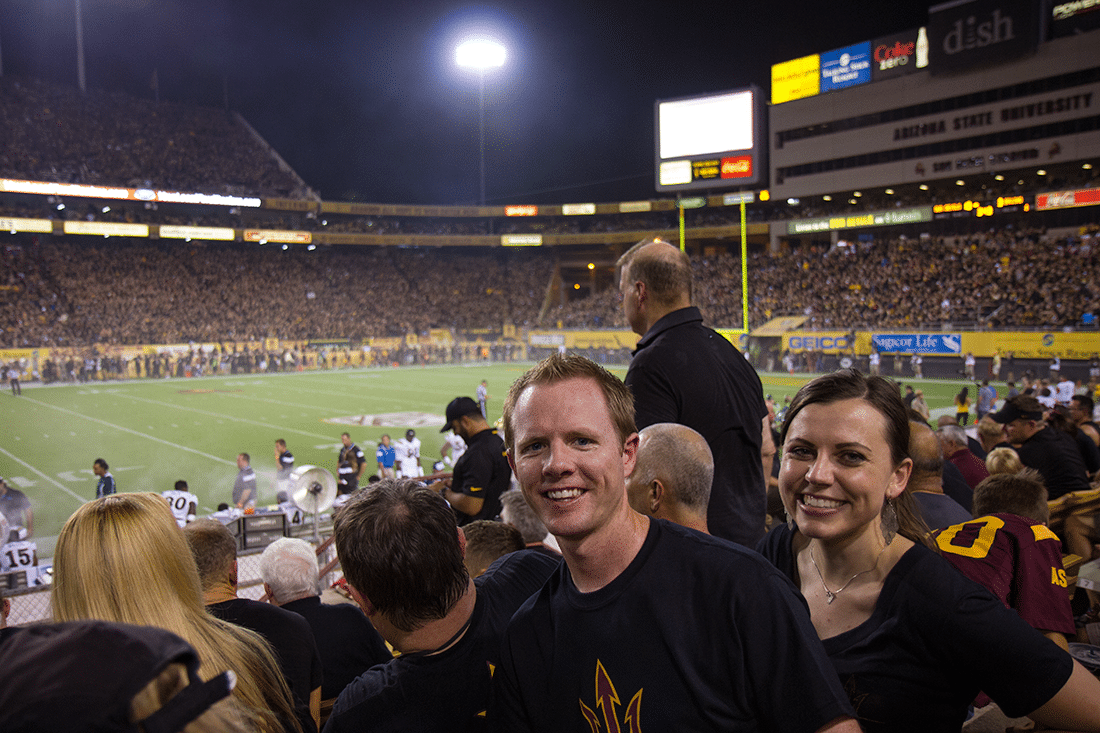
<point>1027,408</point>
<point>458,407</point>
<point>49,687</point>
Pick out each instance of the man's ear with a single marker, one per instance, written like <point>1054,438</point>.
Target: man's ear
<point>461,542</point>
<point>233,574</point>
<point>270,595</point>
<point>656,493</point>
<point>362,601</point>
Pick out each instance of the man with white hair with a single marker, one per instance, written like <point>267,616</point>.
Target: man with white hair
<point>346,640</point>
<point>953,439</point>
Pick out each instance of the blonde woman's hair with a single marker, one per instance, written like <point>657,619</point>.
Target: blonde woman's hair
<point>1003,460</point>
<point>123,558</point>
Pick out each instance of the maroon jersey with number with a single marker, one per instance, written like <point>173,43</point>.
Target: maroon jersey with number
<point>1019,561</point>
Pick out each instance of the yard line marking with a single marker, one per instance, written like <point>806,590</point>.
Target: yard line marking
<point>221,416</point>
<point>29,467</point>
<point>136,432</point>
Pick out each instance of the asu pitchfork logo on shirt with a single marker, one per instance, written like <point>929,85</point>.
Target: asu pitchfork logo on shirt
<point>608,702</point>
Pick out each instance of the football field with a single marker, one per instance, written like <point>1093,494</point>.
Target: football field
<point>154,432</point>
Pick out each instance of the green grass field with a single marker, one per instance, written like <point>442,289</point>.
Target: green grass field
<point>153,432</point>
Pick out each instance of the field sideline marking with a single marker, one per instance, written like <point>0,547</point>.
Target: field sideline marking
<point>29,467</point>
<point>221,415</point>
<point>135,432</point>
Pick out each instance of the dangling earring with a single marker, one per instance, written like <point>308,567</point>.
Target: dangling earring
<point>889,521</point>
<point>790,519</point>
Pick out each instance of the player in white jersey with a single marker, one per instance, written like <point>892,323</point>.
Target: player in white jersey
<point>407,452</point>
<point>453,448</point>
<point>182,502</point>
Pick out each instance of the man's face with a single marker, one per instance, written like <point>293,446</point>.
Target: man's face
<point>241,462</point>
<point>631,307</point>
<point>345,440</point>
<point>1076,413</point>
<point>386,440</point>
<point>98,469</point>
<point>1019,430</point>
<point>568,457</point>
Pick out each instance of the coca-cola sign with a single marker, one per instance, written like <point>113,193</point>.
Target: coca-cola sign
<point>897,54</point>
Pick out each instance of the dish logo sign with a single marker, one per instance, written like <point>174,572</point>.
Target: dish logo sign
<point>981,32</point>
<point>739,166</point>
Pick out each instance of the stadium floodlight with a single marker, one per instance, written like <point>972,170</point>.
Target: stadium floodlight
<point>481,53</point>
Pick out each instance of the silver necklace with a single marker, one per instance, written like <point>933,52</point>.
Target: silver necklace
<point>830,596</point>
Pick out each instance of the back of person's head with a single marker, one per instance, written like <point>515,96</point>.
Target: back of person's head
<point>665,270</point>
<point>925,451</point>
<point>1021,493</point>
<point>559,368</point>
<point>181,485</point>
<point>398,546</point>
<point>289,567</point>
<point>990,430</point>
<point>680,459</point>
<point>1003,460</point>
<point>946,420</point>
<point>517,512</point>
<point>487,541</point>
<point>100,676</point>
<point>214,549</point>
<point>123,558</point>
<point>953,434</point>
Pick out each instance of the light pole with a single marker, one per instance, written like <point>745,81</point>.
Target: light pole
<point>480,54</point>
<point>80,48</point>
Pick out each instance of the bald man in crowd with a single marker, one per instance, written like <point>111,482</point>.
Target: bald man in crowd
<point>926,481</point>
<point>686,373</point>
<point>672,475</point>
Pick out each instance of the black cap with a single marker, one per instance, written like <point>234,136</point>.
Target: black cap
<point>459,406</point>
<point>48,686</point>
<point>1030,409</point>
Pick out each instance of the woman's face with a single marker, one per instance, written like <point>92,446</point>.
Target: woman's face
<point>837,469</point>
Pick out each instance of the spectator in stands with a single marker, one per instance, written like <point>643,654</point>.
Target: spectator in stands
<point>346,641</point>
<point>856,546</point>
<point>1003,460</point>
<point>1080,412</point>
<point>991,435</point>
<point>1059,419</point>
<point>672,475</point>
<point>487,541</point>
<point>144,678</point>
<point>571,442</point>
<point>402,551</point>
<point>954,442</point>
<point>517,512</point>
<point>215,552</point>
<point>1051,452</point>
<point>926,483</point>
<point>149,578</point>
<point>1018,559</point>
<point>971,443</point>
<point>921,406</point>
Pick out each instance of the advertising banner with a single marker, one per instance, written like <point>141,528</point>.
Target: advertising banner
<point>217,234</point>
<point>895,55</point>
<point>846,67</point>
<point>856,221</point>
<point>1062,199</point>
<point>980,32</point>
<point>829,342</point>
<point>520,240</point>
<point>11,224</point>
<point>277,235</point>
<point>917,343</point>
<point>107,228</point>
<point>1033,344</point>
<point>796,79</point>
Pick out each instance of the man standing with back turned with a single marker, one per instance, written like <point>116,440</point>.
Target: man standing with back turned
<point>686,373</point>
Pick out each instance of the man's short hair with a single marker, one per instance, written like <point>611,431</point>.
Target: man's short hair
<point>925,452</point>
<point>1020,493</point>
<point>280,442</point>
<point>681,461</point>
<point>1086,403</point>
<point>990,429</point>
<point>667,278</point>
<point>488,540</point>
<point>345,435</point>
<point>101,463</point>
<point>954,434</point>
<point>214,549</point>
<point>522,516</point>
<point>247,458</point>
<point>559,368</point>
<point>181,485</point>
<point>398,545</point>
<point>289,566</point>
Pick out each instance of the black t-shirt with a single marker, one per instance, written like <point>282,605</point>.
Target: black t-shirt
<point>695,634</point>
<point>346,640</point>
<point>684,372</point>
<point>934,640</point>
<point>292,639</point>
<point>1055,455</point>
<point>445,692</point>
<point>483,473</point>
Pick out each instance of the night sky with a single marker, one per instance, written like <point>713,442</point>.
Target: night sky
<point>364,100</point>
